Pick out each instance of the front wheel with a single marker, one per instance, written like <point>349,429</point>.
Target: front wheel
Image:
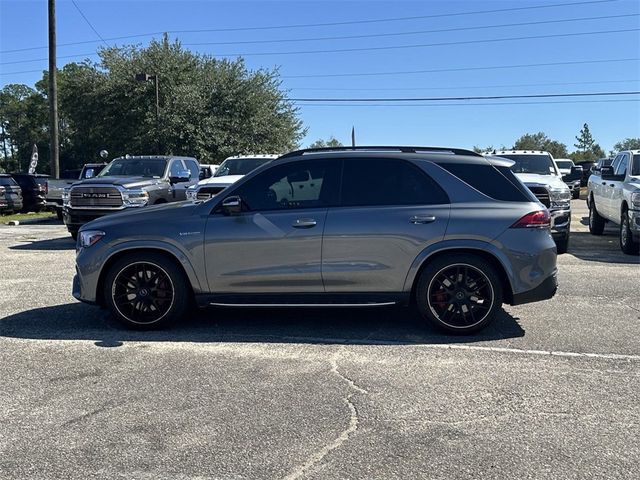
<point>627,244</point>
<point>459,293</point>
<point>576,193</point>
<point>596,222</point>
<point>562,244</point>
<point>146,291</point>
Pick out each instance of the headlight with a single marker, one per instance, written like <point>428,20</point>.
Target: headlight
<point>135,198</point>
<point>87,238</point>
<point>560,197</point>
<point>66,195</point>
<point>192,194</point>
<point>635,200</point>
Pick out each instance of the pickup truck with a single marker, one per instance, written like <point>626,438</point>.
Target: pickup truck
<point>55,188</point>
<point>613,195</point>
<point>128,182</point>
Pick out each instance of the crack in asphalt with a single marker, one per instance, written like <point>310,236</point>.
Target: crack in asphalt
<point>354,420</point>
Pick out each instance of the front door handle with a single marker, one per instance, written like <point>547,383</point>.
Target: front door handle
<point>421,219</point>
<point>604,183</point>
<point>611,185</point>
<point>304,223</point>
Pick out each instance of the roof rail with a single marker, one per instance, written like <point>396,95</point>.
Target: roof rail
<point>447,150</point>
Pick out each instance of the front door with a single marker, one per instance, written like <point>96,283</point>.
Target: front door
<point>274,245</point>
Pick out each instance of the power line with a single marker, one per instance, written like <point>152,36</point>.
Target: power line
<point>483,97</point>
<point>417,32</point>
<point>88,22</point>
<point>461,69</point>
<point>328,24</point>
<point>513,85</point>
<point>426,45</point>
<point>403,105</point>
<point>389,47</point>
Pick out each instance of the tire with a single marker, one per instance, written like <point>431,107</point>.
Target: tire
<point>596,222</point>
<point>74,234</point>
<point>562,244</point>
<point>627,244</point>
<point>447,284</point>
<point>146,291</point>
<point>59,213</point>
<point>576,193</point>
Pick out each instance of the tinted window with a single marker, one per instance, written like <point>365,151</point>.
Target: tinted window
<point>533,163</point>
<point>193,167</point>
<point>496,182</point>
<point>564,163</point>
<point>636,165</point>
<point>388,182</point>
<point>310,184</point>
<point>176,168</point>
<point>6,181</point>
<point>240,166</point>
<point>134,167</point>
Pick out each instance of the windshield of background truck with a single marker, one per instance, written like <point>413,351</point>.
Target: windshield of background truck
<point>564,164</point>
<point>139,167</point>
<point>540,164</point>
<point>635,169</point>
<point>239,166</point>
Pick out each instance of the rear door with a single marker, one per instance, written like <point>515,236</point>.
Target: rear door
<point>390,210</point>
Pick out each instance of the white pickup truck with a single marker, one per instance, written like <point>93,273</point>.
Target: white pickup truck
<point>613,195</point>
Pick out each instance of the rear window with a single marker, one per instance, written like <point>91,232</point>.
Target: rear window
<point>498,183</point>
<point>7,181</point>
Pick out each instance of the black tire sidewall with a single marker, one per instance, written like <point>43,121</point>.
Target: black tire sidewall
<point>596,222</point>
<point>178,279</point>
<point>436,265</point>
<point>631,247</point>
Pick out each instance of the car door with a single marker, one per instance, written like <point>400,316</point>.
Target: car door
<point>605,192</point>
<point>178,190</point>
<point>274,245</point>
<point>390,211</point>
<point>615,188</point>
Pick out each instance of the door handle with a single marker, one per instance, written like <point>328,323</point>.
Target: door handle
<point>604,183</point>
<point>421,219</point>
<point>304,223</point>
<point>611,185</point>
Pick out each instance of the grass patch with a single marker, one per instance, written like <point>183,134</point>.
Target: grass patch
<point>25,217</point>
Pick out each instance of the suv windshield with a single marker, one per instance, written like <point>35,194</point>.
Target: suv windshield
<point>534,163</point>
<point>239,166</point>
<point>135,167</point>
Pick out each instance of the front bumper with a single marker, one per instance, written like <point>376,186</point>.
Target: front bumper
<point>560,221</point>
<point>546,290</point>
<point>573,184</point>
<point>75,218</point>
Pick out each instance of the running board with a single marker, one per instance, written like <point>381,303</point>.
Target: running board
<point>303,305</point>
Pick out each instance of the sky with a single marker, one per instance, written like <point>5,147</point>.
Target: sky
<point>404,49</point>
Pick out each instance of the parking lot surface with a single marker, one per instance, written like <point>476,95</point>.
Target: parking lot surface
<point>550,390</point>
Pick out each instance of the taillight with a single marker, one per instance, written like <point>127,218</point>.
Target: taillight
<point>537,219</point>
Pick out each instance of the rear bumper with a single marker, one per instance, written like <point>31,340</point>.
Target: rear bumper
<point>546,290</point>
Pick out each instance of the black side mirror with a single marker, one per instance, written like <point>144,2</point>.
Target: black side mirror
<point>232,205</point>
<point>181,177</point>
<point>606,173</point>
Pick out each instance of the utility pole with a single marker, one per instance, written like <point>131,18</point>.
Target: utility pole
<point>54,153</point>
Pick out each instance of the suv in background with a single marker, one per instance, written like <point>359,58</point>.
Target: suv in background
<point>229,172</point>
<point>539,173</point>
<point>10,194</point>
<point>444,228</point>
<point>128,183</point>
<point>34,190</point>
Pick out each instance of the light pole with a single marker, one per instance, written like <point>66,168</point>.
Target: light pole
<point>145,77</point>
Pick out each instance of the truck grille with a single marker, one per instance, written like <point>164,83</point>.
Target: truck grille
<point>205,193</point>
<point>95,197</point>
<point>542,194</point>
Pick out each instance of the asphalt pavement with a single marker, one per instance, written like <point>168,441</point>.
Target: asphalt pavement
<point>550,390</point>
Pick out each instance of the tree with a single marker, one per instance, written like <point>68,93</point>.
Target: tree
<point>540,141</point>
<point>332,142</point>
<point>627,144</point>
<point>585,140</point>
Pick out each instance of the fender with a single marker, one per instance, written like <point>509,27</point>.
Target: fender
<point>441,247</point>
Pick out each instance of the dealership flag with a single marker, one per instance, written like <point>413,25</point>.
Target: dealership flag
<point>34,160</point>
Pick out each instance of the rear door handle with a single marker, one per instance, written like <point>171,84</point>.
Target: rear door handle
<point>420,219</point>
<point>304,223</point>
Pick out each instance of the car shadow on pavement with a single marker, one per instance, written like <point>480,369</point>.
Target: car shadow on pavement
<point>61,243</point>
<point>600,248</point>
<point>382,326</point>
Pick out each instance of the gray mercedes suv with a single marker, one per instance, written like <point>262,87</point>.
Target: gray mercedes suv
<point>445,229</point>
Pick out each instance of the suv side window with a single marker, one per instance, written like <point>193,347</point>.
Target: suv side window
<point>381,181</point>
<point>294,185</point>
<point>621,169</point>
<point>176,168</point>
<point>499,183</point>
<point>193,167</point>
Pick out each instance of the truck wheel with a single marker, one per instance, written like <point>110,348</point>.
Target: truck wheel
<point>576,193</point>
<point>627,244</point>
<point>146,291</point>
<point>596,222</point>
<point>74,234</point>
<point>59,213</point>
<point>562,244</point>
<point>459,293</point>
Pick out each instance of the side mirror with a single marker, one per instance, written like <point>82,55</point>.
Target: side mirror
<point>181,177</point>
<point>232,205</point>
<point>606,173</point>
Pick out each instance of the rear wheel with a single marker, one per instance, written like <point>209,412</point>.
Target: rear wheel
<point>627,244</point>
<point>596,222</point>
<point>145,291</point>
<point>459,293</point>
<point>562,244</point>
<point>576,193</point>
<point>74,234</point>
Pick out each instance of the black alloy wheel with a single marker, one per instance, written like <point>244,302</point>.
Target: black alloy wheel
<point>459,293</point>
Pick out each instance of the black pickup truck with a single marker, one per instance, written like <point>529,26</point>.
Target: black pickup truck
<point>128,182</point>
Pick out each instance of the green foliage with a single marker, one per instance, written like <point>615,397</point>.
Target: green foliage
<point>540,141</point>
<point>627,144</point>
<point>585,139</point>
<point>209,108</point>
<point>332,142</point>
<point>587,148</point>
